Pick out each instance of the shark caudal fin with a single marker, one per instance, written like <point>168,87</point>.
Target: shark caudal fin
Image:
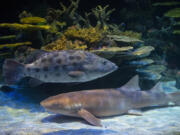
<point>12,71</point>
<point>132,84</point>
<point>175,97</point>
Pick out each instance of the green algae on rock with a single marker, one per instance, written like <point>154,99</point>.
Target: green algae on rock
<point>143,51</point>
<point>126,39</point>
<point>110,52</point>
<point>174,13</point>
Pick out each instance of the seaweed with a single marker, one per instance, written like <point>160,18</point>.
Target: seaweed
<point>102,15</point>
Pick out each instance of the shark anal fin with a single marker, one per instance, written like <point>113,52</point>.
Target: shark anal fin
<point>135,112</point>
<point>89,117</point>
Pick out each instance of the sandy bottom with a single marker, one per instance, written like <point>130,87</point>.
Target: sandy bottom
<point>18,118</point>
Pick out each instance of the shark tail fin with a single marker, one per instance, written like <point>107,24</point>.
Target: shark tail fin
<point>12,71</point>
<point>175,98</point>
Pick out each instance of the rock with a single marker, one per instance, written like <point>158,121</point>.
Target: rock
<point>152,72</point>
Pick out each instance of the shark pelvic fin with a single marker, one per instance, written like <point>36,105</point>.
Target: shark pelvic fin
<point>132,84</point>
<point>157,87</point>
<point>89,117</point>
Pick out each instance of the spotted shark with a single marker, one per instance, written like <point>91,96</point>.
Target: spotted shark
<point>91,104</point>
<point>59,67</point>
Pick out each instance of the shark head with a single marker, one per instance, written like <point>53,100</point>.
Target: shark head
<point>62,104</point>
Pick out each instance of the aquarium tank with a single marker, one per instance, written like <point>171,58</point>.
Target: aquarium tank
<point>99,67</point>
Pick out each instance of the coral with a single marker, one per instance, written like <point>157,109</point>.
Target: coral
<point>24,14</point>
<point>131,34</point>
<point>9,37</point>
<point>90,35</point>
<point>102,15</point>
<point>174,13</point>
<point>66,14</point>
<point>64,44</point>
<point>172,3</point>
<point>28,27</point>
<point>32,20</point>
<point>14,45</point>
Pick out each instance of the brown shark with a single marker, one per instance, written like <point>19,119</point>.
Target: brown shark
<point>90,104</point>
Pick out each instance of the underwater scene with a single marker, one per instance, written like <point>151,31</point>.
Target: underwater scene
<point>99,67</point>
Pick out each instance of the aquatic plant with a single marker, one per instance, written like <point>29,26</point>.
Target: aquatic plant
<point>33,20</point>
<point>174,13</point>
<point>14,45</point>
<point>64,44</point>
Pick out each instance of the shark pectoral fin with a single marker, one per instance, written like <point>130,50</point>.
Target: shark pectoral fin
<point>34,82</point>
<point>135,112</point>
<point>89,117</point>
<point>75,73</point>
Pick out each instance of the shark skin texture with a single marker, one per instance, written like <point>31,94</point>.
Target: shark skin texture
<point>94,104</point>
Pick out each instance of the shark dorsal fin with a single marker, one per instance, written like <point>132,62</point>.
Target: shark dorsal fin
<point>132,84</point>
<point>157,87</point>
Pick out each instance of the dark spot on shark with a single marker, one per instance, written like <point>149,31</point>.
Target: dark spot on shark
<point>58,61</point>
<point>58,74</point>
<point>56,54</point>
<point>56,67</point>
<point>71,57</point>
<point>45,68</point>
<point>43,60</point>
<point>45,76</point>
<point>50,59</point>
<point>37,69</point>
<point>28,69</point>
<point>64,67</point>
<point>78,57</point>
